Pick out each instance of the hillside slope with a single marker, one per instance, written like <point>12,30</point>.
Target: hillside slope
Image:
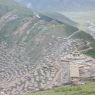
<point>87,89</point>
<point>27,40</point>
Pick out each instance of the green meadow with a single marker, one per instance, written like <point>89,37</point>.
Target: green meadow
<point>87,89</point>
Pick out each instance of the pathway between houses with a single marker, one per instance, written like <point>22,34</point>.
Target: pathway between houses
<point>69,37</point>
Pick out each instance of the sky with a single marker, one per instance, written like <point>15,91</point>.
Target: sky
<point>59,4</point>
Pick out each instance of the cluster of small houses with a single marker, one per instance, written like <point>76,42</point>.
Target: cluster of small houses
<point>82,67</point>
<point>16,78</point>
<point>75,68</point>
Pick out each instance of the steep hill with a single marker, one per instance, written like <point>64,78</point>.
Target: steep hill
<point>28,39</point>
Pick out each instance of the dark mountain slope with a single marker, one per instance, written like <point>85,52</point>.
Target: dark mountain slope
<point>59,18</point>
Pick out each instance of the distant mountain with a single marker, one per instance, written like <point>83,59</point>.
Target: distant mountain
<point>60,5</point>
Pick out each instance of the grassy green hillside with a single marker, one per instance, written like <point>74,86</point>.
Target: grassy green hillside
<point>87,89</point>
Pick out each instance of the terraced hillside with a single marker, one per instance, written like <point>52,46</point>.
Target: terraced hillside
<point>28,40</point>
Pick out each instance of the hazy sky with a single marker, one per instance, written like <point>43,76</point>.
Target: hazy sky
<point>59,4</point>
